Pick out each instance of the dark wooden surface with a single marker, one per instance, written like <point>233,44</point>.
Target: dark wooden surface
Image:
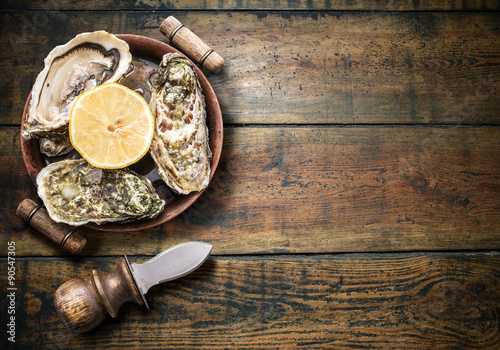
<point>357,201</point>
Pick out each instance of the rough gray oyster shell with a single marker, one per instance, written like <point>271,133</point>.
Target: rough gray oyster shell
<point>76,193</point>
<point>84,62</point>
<point>180,146</point>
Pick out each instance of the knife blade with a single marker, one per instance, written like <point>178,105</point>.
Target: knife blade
<point>82,304</point>
<point>170,264</point>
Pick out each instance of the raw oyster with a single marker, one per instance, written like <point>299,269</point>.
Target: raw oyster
<point>84,62</point>
<point>74,192</point>
<point>56,144</point>
<point>180,146</point>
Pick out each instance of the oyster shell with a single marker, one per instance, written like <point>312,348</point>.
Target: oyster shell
<point>75,192</point>
<point>84,62</point>
<point>180,146</point>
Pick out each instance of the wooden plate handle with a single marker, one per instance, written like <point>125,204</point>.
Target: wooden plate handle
<point>82,304</point>
<point>65,236</point>
<point>190,44</point>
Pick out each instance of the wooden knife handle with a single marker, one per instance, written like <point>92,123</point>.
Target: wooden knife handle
<point>65,236</point>
<point>190,44</point>
<point>82,304</point>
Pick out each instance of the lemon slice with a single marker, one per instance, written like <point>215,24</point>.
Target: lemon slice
<point>111,126</point>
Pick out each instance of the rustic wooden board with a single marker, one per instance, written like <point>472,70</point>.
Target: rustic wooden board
<point>392,154</point>
<point>374,301</point>
<point>313,190</point>
<point>372,5</point>
<point>301,67</point>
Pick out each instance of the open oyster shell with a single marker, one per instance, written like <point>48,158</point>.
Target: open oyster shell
<point>180,146</point>
<point>84,62</point>
<point>75,192</point>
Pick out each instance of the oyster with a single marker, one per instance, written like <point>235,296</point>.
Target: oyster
<point>55,145</point>
<point>84,62</point>
<point>75,192</point>
<point>180,146</point>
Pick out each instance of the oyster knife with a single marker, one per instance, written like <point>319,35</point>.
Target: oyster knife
<point>82,304</point>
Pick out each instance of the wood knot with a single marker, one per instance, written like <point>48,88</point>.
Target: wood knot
<point>417,180</point>
<point>462,201</point>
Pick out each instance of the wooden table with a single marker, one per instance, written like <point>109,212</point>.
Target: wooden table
<point>357,200</point>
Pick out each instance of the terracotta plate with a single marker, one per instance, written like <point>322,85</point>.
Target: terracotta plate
<point>147,53</point>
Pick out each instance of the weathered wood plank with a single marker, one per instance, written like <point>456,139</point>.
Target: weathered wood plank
<point>302,67</point>
<point>346,5</point>
<point>373,301</point>
<point>313,190</point>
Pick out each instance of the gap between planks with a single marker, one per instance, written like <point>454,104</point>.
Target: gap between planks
<point>487,253</point>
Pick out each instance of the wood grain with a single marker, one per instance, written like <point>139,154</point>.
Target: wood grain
<point>316,190</point>
<point>391,154</point>
<point>301,67</point>
<point>371,5</point>
<point>371,301</point>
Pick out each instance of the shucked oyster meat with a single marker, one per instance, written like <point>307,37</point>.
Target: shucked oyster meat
<point>75,192</point>
<point>180,146</point>
<point>84,62</point>
<point>55,144</point>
